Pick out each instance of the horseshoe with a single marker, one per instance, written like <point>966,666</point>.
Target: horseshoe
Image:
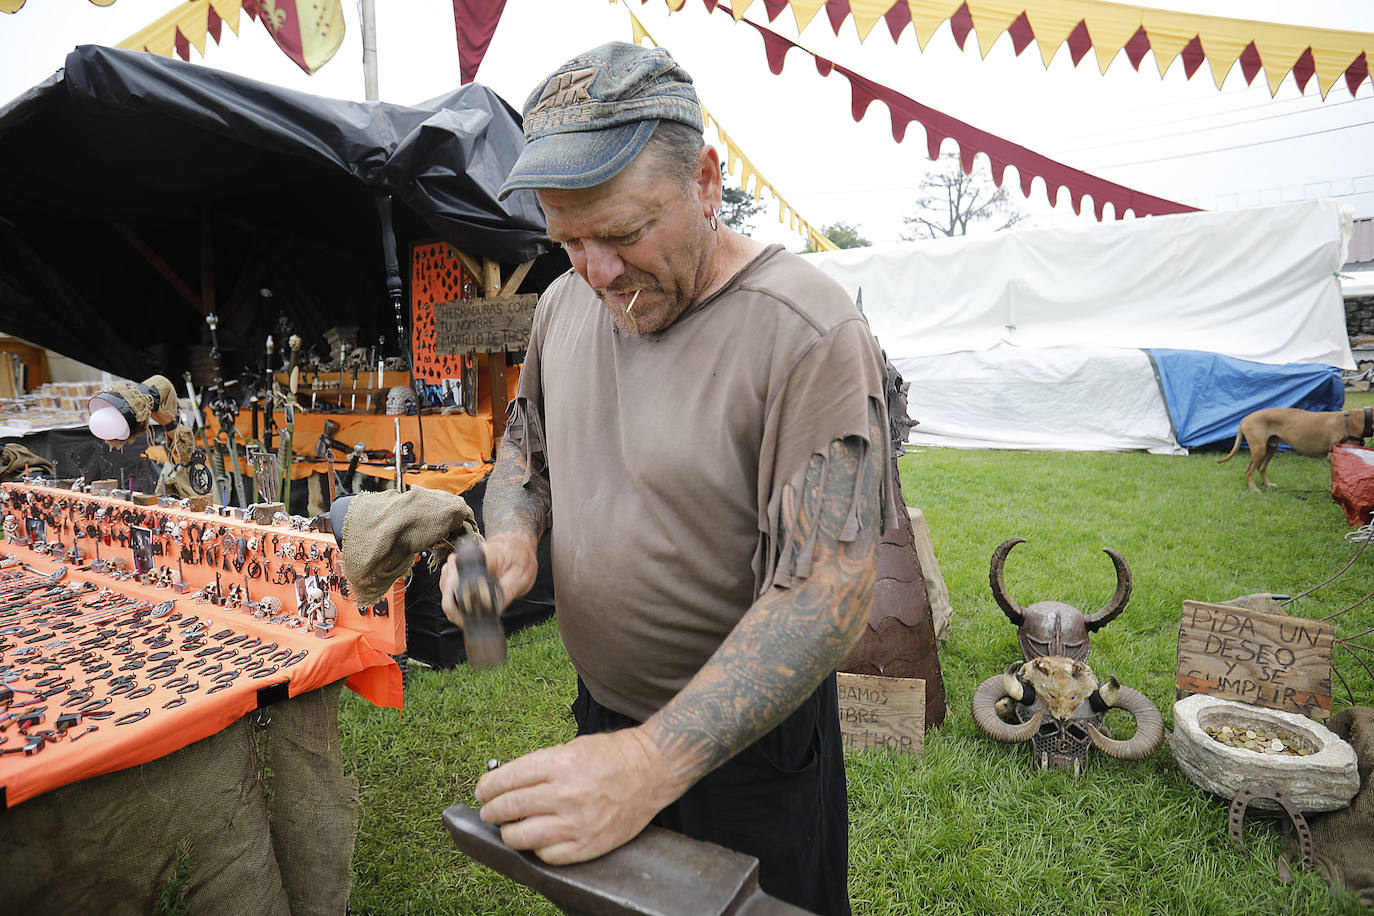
<point>1251,791</point>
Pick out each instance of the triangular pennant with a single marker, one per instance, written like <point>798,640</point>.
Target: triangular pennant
<point>1167,44</point>
<point>1052,27</point>
<point>836,11</point>
<point>803,11</point>
<point>1250,63</point>
<point>1079,42</point>
<point>866,14</point>
<point>898,17</point>
<point>928,15</point>
<point>1137,47</point>
<point>1111,29</point>
<point>960,24</point>
<point>1222,54</point>
<point>988,25</point>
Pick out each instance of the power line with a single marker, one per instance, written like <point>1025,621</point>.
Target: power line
<point>1227,126</point>
<point>1227,149</point>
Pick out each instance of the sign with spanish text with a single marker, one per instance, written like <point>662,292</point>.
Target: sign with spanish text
<point>483,325</point>
<point>882,713</point>
<point>1269,660</point>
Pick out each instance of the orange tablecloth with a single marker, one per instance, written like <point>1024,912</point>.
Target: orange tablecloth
<point>359,649</point>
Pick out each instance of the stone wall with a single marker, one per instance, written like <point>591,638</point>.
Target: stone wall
<point>1359,324</point>
<point>1359,318</point>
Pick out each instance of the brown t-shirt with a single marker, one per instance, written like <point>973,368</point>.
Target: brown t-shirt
<point>676,462</point>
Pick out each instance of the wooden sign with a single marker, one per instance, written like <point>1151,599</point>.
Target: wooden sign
<point>483,325</point>
<point>882,713</point>
<point>1269,660</point>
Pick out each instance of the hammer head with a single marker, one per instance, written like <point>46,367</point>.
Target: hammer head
<point>478,597</point>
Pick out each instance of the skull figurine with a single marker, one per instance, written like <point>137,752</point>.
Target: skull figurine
<point>400,399</point>
<point>1057,704</point>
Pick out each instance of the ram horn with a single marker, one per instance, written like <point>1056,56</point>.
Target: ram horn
<point>1117,604</point>
<point>985,714</point>
<point>1149,729</point>
<point>1015,612</point>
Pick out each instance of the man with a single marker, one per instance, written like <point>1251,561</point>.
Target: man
<point>700,423</point>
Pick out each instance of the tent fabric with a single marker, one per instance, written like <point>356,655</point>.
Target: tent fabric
<point>1256,284</point>
<point>123,147</point>
<point>1038,338</point>
<point>1074,398</point>
<point>1207,394</point>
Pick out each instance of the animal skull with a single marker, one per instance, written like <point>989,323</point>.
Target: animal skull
<point>1053,627</point>
<point>400,399</point>
<point>1056,703</point>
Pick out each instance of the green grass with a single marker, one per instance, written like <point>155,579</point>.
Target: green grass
<point>968,828</point>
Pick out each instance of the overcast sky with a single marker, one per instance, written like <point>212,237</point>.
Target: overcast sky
<point>1180,139</point>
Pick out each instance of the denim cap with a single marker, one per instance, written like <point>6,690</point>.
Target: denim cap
<point>594,114</point>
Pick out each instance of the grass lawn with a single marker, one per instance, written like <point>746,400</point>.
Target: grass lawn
<point>969,828</point>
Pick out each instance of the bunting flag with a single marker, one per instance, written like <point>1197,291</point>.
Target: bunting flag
<point>1107,29</point>
<point>186,27</point>
<point>475,22</point>
<point>14,6</point>
<point>786,213</point>
<point>307,31</point>
<point>971,140</point>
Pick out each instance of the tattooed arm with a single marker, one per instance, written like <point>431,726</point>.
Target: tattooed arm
<point>515,515</point>
<point>581,799</point>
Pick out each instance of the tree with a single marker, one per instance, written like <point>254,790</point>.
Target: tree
<point>951,201</point>
<point>738,207</point>
<point>843,235</point>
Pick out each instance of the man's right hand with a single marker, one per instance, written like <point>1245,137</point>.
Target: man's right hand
<point>511,559</point>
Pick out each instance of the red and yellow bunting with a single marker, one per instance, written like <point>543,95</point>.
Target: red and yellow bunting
<point>307,31</point>
<point>1107,29</point>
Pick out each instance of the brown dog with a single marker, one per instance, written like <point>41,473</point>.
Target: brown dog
<point>1307,432</point>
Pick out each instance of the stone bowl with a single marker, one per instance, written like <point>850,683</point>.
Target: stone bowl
<point>1324,780</point>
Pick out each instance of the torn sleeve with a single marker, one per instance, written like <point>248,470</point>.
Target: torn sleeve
<point>826,398</point>
<point>525,412</point>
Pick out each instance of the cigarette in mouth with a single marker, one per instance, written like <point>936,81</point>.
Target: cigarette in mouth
<point>630,308</point>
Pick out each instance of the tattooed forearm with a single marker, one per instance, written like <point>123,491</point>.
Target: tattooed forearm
<point>790,638</point>
<point>512,505</point>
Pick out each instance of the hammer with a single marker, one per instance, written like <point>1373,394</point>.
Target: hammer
<point>478,597</point>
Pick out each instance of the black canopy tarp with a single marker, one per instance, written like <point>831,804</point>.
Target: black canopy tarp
<point>125,168</point>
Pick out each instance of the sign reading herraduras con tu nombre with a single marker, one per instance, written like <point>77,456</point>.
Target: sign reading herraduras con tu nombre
<point>882,713</point>
<point>1269,660</point>
<point>483,325</point>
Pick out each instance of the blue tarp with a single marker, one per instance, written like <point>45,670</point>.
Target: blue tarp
<point>1207,395</point>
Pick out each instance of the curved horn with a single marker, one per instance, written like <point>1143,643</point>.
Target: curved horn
<point>1149,729</point>
<point>1015,612</point>
<point>1095,622</point>
<point>985,714</point>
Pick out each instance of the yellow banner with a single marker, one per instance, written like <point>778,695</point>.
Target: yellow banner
<point>1111,26</point>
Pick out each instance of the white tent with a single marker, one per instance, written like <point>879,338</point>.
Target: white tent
<point>1038,338</point>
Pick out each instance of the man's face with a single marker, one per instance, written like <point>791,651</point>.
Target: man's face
<point>640,240</point>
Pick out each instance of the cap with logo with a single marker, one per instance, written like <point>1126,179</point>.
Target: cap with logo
<point>594,114</point>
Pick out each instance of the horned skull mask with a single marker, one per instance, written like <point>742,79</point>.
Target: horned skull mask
<point>1053,627</point>
<point>1057,704</point>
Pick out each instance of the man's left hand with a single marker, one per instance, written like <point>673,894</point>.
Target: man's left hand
<point>576,801</point>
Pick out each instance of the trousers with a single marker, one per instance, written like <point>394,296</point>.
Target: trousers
<point>782,800</point>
